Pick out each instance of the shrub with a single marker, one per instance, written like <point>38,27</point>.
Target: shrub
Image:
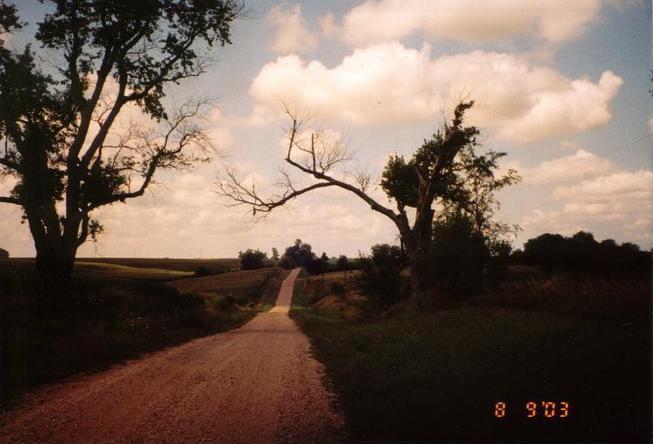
<point>319,265</point>
<point>202,270</point>
<point>457,257</point>
<point>226,302</point>
<point>214,269</point>
<point>343,263</point>
<point>380,277</point>
<point>298,255</point>
<point>338,288</point>
<point>252,259</point>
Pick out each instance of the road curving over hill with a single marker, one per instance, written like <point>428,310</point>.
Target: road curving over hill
<point>256,384</point>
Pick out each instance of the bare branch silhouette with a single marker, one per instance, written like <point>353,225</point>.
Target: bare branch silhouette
<point>319,157</point>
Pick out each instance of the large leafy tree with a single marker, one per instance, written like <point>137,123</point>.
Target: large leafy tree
<point>58,116</point>
<point>439,174</point>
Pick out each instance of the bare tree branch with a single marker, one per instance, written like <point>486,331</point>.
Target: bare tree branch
<point>10,200</point>
<point>321,157</point>
<point>4,161</point>
<point>168,149</point>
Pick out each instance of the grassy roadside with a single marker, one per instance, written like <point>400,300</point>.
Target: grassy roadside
<point>434,378</point>
<point>117,318</point>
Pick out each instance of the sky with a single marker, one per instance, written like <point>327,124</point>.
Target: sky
<point>561,87</point>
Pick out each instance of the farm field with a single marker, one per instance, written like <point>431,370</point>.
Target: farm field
<point>188,265</point>
<point>99,270</point>
<point>232,281</point>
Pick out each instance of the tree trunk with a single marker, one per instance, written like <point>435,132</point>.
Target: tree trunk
<point>418,285</point>
<point>418,275</point>
<point>416,245</point>
<point>55,267</point>
<point>55,257</point>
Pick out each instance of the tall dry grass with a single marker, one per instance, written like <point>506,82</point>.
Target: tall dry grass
<point>624,298</point>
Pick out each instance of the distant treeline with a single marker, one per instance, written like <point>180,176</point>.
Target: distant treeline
<point>582,253</point>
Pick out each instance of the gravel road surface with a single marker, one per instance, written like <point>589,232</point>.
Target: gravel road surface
<point>256,384</point>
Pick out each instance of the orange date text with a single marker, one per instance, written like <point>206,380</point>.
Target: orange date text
<point>534,409</point>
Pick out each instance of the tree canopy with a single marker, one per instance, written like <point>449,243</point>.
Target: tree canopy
<point>60,105</point>
<point>299,254</point>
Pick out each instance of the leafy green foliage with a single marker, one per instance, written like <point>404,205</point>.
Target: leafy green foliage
<point>57,117</point>
<point>252,259</point>
<point>457,256</point>
<point>399,181</point>
<point>433,169</point>
<point>582,253</point>
<point>318,265</point>
<point>380,275</point>
<point>474,196</point>
<point>298,255</point>
<point>450,181</point>
<point>343,263</point>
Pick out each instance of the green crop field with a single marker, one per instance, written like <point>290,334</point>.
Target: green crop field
<point>222,282</point>
<point>100,270</point>
<point>189,265</point>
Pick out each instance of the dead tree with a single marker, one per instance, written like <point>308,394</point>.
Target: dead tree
<point>432,174</point>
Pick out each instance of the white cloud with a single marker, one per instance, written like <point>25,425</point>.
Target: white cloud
<point>623,185</point>
<point>585,105</point>
<point>579,165</point>
<point>292,35</point>
<point>221,137</point>
<point>553,21</point>
<point>392,83</point>
<point>617,205</point>
<point>184,217</point>
<point>218,130</point>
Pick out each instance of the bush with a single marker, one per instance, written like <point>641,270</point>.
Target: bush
<point>139,298</point>
<point>316,266</point>
<point>457,257</point>
<point>252,259</point>
<point>287,263</point>
<point>380,275</point>
<point>298,255</point>
<point>202,271</point>
<point>338,288</point>
<point>319,265</point>
<point>343,263</point>
<point>226,302</point>
<point>214,269</point>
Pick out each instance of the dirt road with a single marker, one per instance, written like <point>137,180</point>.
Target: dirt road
<point>255,384</point>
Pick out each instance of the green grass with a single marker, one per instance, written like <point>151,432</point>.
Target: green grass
<point>436,377</point>
<point>120,313</point>
<point>190,265</point>
<point>96,270</point>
